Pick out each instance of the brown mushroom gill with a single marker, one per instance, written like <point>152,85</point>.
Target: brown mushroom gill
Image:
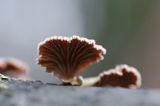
<point>67,57</point>
<point>121,76</point>
<point>13,67</point>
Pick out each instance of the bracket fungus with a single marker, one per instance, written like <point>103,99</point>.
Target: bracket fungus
<point>121,76</point>
<point>67,57</point>
<point>13,67</point>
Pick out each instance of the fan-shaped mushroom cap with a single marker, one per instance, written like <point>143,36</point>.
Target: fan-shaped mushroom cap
<point>67,57</point>
<point>12,67</point>
<point>121,76</point>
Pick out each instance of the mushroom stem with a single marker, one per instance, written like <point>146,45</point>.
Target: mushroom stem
<point>76,81</point>
<point>87,82</point>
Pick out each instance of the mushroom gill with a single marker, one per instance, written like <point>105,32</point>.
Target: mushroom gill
<point>13,67</point>
<point>67,57</point>
<point>122,76</point>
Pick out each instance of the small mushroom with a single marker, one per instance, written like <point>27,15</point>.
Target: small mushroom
<point>122,76</point>
<point>13,67</point>
<point>67,57</point>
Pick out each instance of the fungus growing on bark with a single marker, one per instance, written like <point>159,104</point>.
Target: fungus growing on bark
<point>12,67</point>
<point>122,76</point>
<point>67,57</point>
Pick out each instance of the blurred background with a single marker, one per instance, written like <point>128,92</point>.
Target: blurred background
<point>129,29</point>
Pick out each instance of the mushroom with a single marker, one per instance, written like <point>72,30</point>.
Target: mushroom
<point>13,67</point>
<point>122,76</point>
<point>67,57</point>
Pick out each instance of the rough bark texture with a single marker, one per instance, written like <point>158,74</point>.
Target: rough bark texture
<point>36,93</point>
